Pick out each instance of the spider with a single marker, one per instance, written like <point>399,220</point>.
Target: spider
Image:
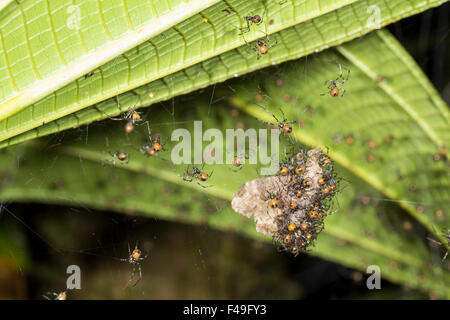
<point>131,117</point>
<point>134,258</point>
<point>153,146</point>
<point>283,125</point>
<point>56,296</point>
<point>446,235</point>
<point>89,74</point>
<point>238,162</point>
<point>273,202</point>
<point>261,47</point>
<point>121,156</point>
<point>198,174</point>
<point>251,19</point>
<point>335,86</point>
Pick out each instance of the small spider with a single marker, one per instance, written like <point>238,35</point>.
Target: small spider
<point>134,258</point>
<point>446,235</point>
<point>56,296</point>
<point>238,162</point>
<point>261,47</point>
<point>198,174</point>
<point>153,146</point>
<point>283,125</point>
<point>118,155</point>
<point>131,117</point>
<point>89,74</point>
<point>335,86</point>
<point>252,19</point>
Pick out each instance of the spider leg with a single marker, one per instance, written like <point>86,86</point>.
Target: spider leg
<point>140,275</point>
<point>201,185</point>
<point>186,171</point>
<point>284,117</point>
<point>340,71</point>
<point>149,130</point>
<point>326,93</point>
<point>245,29</point>
<point>343,92</point>
<point>112,118</point>
<point>273,43</point>
<point>131,278</point>
<point>52,293</point>
<point>237,170</point>
<point>432,240</point>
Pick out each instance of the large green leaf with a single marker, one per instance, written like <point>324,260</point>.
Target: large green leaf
<point>74,173</point>
<point>402,107</point>
<point>307,28</point>
<point>48,44</point>
<point>358,235</point>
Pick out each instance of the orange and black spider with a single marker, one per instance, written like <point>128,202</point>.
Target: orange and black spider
<point>118,155</point>
<point>261,46</point>
<point>198,174</point>
<point>152,147</point>
<point>252,19</point>
<point>134,258</point>
<point>131,117</point>
<point>335,86</point>
<point>238,162</point>
<point>56,296</point>
<point>283,125</point>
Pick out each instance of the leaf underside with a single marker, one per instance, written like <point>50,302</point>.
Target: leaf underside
<point>213,52</point>
<point>393,117</point>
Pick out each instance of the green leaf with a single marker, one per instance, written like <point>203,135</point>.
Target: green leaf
<point>48,44</point>
<point>403,106</point>
<point>372,109</point>
<point>355,236</point>
<point>212,52</point>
